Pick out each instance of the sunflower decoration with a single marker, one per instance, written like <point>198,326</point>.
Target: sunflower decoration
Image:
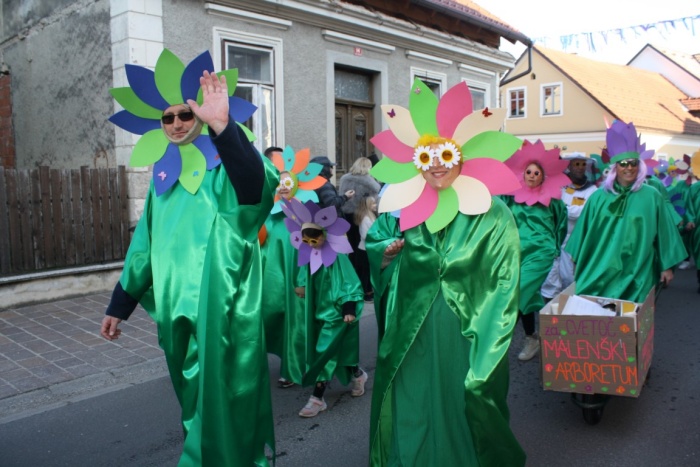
<point>302,177</point>
<point>314,251</point>
<point>149,94</point>
<point>554,178</point>
<point>449,131</point>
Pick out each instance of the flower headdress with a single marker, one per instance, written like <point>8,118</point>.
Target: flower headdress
<point>471,138</point>
<point>553,167</point>
<point>309,214</point>
<point>304,175</point>
<point>623,142</point>
<point>149,94</point>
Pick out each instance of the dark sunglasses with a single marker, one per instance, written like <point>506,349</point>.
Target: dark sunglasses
<point>579,164</point>
<point>530,172</point>
<point>631,162</point>
<point>183,116</point>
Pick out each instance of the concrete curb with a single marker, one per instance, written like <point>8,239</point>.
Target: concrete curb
<point>61,394</point>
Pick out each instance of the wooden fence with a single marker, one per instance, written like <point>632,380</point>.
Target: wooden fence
<point>60,218</point>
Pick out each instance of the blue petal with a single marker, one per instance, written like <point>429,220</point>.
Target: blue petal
<point>132,123</point>
<point>240,109</point>
<point>211,155</point>
<point>143,83</point>
<point>189,84</point>
<point>166,171</point>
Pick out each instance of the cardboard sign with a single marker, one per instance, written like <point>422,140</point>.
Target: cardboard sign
<point>597,354</point>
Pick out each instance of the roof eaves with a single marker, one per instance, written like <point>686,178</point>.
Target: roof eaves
<point>473,16</point>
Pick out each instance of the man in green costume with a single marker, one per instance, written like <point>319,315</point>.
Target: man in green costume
<point>194,261</point>
<point>625,241</point>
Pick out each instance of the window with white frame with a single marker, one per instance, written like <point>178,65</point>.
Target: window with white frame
<point>516,103</point>
<point>551,103</point>
<point>259,62</point>
<point>437,82</point>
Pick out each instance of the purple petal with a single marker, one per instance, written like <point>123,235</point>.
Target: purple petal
<point>304,254</point>
<point>328,254</point>
<point>340,227</point>
<point>167,169</point>
<point>291,224</point>
<point>143,83</point>
<point>133,124</point>
<point>339,243</point>
<point>316,259</point>
<point>211,155</point>
<point>299,210</point>
<point>326,216</point>
<point>295,238</point>
<point>189,83</point>
<point>313,208</point>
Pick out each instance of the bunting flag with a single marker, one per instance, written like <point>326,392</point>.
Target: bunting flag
<point>590,41</point>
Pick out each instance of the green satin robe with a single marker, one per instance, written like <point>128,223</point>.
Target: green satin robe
<point>332,345</point>
<point>623,256</point>
<point>692,204</point>
<point>450,304</point>
<point>283,311</point>
<point>194,265</point>
<point>542,230</point>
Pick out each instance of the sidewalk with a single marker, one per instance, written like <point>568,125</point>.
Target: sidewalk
<point>51,354</point>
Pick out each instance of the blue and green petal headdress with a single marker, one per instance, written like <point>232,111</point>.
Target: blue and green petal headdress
<point>148,95</point>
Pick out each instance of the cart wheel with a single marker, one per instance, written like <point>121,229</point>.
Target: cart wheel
<point>592,415</point>
<point>591,405</point>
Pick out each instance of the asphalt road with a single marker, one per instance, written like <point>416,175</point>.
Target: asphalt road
<point>138,425</point>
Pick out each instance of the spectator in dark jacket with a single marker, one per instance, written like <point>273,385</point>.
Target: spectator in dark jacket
<point>327,194</point>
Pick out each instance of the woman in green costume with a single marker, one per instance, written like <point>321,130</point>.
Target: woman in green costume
<point>625,241</point>
<point>542,218</point>
<point>446,277</point>
<point>333,298</point>
<point>194,260</point>
<point>282,309</point>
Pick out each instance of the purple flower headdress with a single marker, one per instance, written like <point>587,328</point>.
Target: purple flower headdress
<point>309,214</point>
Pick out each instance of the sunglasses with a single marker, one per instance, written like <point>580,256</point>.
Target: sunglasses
<point>183,116</point>
<point>578,164</point>
<point>530,172</point>
<point>631,162</point>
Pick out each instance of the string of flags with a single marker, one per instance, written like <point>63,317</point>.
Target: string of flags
<point>592,40</point>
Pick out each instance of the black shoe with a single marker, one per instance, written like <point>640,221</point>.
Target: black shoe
<point>369,297</point>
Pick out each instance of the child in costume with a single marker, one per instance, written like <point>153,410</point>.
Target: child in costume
<point>283,310</point>
<point>446,275</point>
<point>542,219</point>
<point>333,300</point>
<point>194,260</point>
<point>625,241</point>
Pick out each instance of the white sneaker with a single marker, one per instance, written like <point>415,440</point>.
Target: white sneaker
<point>313,407</point>
<point>530,349</point>
<point>358,384</point>
<point>684,265</point>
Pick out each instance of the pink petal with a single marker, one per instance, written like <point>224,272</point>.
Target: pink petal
<point>419,211</point>
<point>389,145</point>
<point>452,108</point>
<point>497,177</point>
